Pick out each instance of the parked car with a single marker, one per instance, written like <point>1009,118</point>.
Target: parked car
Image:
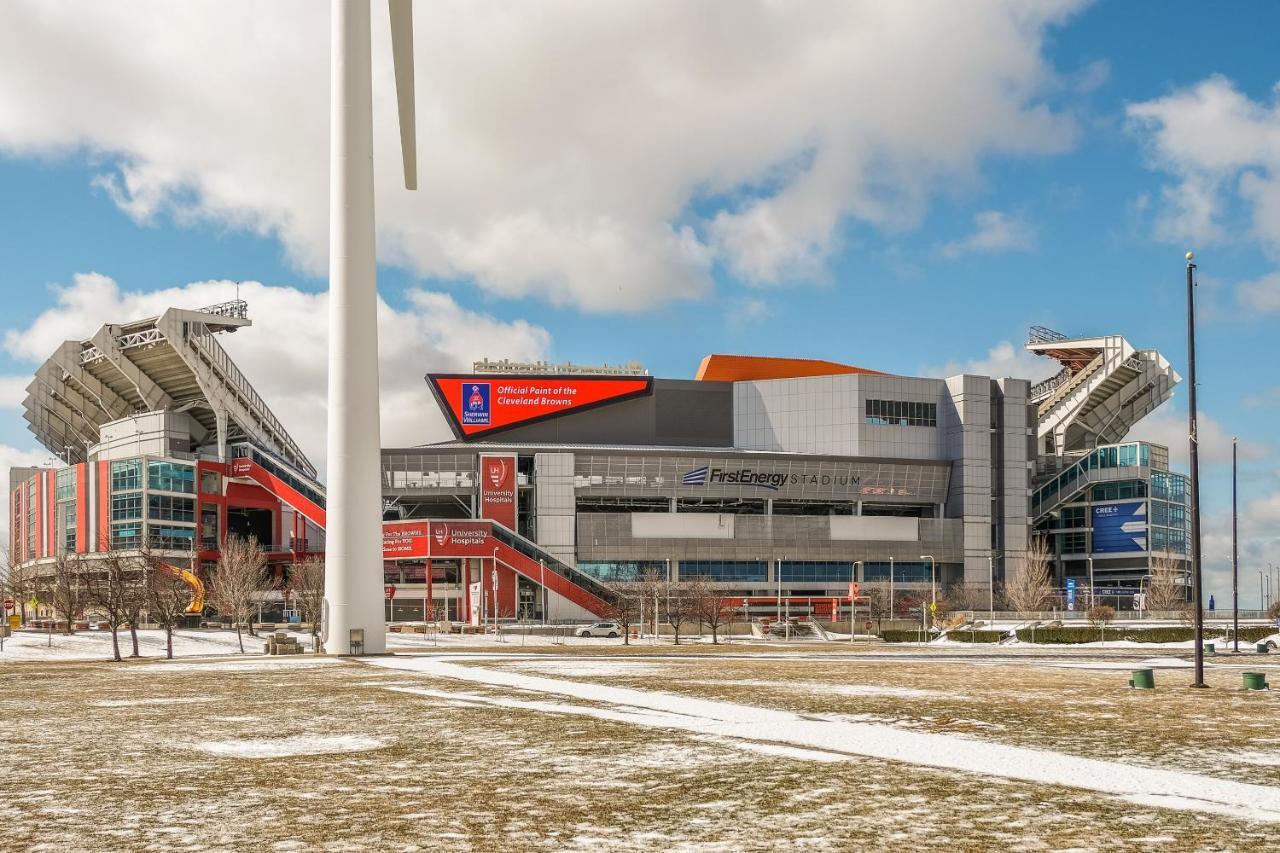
<point>600,629</point>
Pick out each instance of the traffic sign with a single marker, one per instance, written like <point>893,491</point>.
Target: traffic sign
<point>390,590</point>
<point>854,589</point>
<point>8,604</point>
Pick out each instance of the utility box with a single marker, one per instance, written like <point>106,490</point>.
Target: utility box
<point>357,641</point>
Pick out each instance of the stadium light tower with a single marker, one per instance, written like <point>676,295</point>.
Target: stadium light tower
<point>353,536</point>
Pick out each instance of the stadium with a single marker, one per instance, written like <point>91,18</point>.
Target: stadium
<point>780,480</point>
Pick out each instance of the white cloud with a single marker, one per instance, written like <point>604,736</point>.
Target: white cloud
<point>13,390</point>
<point>1004,360</point>
<point>993,232</point>
<point>1259,547</point>
<point>1219,146</point>
<point>1168,426</point>
<point>604,155</point>
<point>1261,295</point>
<point>284,352</point>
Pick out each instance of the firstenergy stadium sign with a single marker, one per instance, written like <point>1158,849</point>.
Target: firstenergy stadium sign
<point>482,404</point>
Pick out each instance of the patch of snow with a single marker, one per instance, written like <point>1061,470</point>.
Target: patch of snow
<point>290,746</point>
<point>603,667</point>
<point>257,664</point>
<point>847,741</point>
<point>1260,759</point>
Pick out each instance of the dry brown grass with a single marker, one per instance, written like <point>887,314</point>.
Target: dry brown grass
<point>472,777</point>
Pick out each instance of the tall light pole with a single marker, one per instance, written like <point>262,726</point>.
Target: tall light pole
<point>853,578</point>
<point>1235,554</point>
<point>353,535</point>
<point>933,583</point>
<point>1194,447</point>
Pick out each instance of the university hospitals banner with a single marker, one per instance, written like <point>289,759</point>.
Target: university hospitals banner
<point>498,492</point>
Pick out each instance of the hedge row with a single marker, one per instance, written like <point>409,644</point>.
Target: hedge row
<point>1085,634</point>
<point>958,636</point>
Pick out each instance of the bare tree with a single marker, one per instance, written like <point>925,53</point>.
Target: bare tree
<point>1165,592</point>
<point>653,588</point>
<point>710,604</point>
<point>1030,588</point>
<point>168,595</point>
<point>306,581</point>
<point>64,588</point>
<point>241,573</point>
<point>107,583</point>
<point>624,607</point>
<point>1101,615</point>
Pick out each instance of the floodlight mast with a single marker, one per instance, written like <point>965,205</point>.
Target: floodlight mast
<point>353,536</point>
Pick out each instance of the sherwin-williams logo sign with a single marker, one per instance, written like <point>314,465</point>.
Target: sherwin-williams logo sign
<point>707,475</point>
<point>475,404</point>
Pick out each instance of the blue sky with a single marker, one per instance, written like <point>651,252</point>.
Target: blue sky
<point>915,238</point>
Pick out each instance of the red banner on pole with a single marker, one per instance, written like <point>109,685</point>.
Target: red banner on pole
<point>499,493</point>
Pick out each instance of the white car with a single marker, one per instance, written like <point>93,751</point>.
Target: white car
<point>600,629</point>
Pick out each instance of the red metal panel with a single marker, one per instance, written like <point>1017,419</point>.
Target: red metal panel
<point>477,405</point>
<point>82,507</point>
<point>51,512</point>
<point>104,506</point>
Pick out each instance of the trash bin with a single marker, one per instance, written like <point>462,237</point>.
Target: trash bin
<point>1255,681</point>
<point>1210,649</point>
<point>1262,648</point>
<point>1143,679</point>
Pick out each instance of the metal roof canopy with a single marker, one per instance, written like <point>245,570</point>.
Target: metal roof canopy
<point>167,363</point>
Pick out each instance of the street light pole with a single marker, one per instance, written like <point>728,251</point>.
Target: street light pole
<point>933,583</point>
<point>853,578</point>
<point>892,612</point>
<point>1194,448</point>
<point>1235,554</point>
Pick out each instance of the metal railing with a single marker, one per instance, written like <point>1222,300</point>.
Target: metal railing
<point>1045,335</point>
<point>202,340</point>
<point>533,551</point>
<point>236,308</point>
<point>1046,387</point>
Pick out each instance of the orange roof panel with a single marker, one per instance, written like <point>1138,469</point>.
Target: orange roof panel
<point>741,368</point>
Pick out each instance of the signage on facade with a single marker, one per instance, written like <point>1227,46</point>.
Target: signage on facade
<point>712,475</point>
<point>499,495</point>
<point>478,405</point>
<point>1119,528</point>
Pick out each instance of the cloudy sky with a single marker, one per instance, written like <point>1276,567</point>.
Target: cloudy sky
<point>902,185</point>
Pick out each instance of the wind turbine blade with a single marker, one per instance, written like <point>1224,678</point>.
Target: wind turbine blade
<point>402,58</point>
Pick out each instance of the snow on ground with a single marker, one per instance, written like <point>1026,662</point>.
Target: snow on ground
<point>842,740</point>
<point>604,666</point>
<point>96,645</point>
<point>289,746</point>
<point>1149,663</point>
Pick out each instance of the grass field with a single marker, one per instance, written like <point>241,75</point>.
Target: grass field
<point>637,749</point>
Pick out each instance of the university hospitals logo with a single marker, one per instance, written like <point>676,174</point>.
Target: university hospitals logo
<point>442,537</point>
<point>475,404</point>
<point>497,470</point>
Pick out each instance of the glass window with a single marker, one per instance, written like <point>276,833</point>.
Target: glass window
<point>126,507</point>
<point>724,570</point>
<point>209,527</point>
<point>901,571</point>
<point>817,570</point>
<point>66,488</point>
<point>901,413</point>
<point>168,508</point>
<point>126,475</point>
<point>625,570</point>
<point>210,483</point>
<point>170,538</point>
<point>171,477</point>
<point>126,537</point>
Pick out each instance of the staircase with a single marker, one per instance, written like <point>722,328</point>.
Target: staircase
<point>1104,388</point>
<point>531,561</point>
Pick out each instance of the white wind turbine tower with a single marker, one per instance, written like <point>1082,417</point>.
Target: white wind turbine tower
<point>353,536</point>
